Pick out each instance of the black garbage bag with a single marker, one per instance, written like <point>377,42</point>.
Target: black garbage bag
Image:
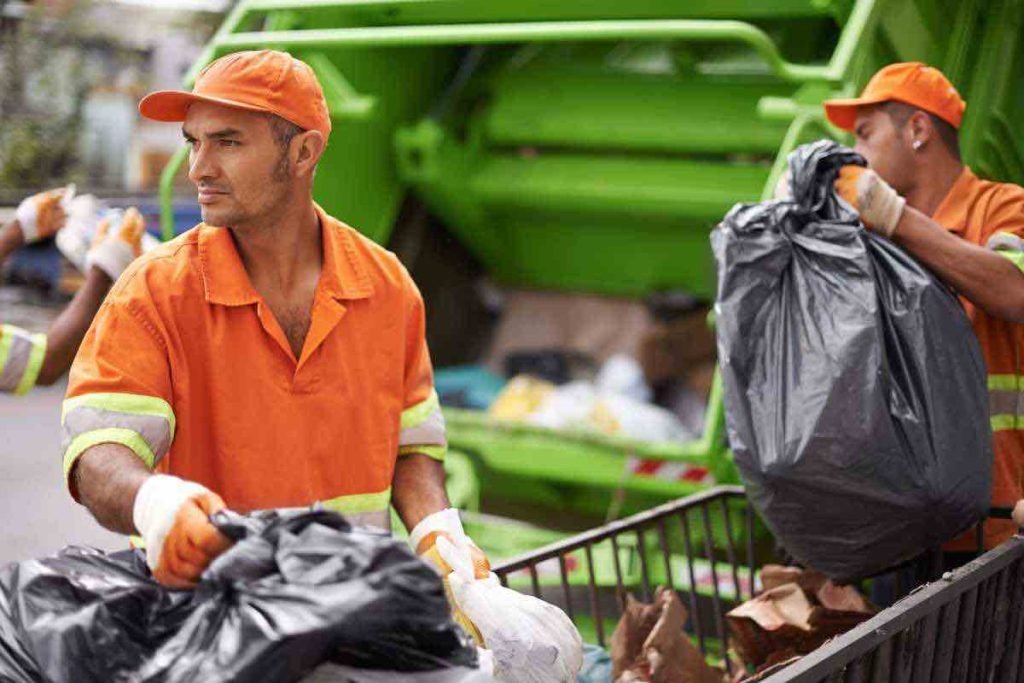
<point>855,390</point>
<point>298,588</point>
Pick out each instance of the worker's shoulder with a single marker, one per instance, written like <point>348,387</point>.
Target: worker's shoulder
<point>171,266</point>
<point>382,267</point>
<point>1001,196</point>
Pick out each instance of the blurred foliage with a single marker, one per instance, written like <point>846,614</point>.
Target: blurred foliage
<point>42,94</point>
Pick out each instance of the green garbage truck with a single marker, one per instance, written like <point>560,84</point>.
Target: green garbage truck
<point>589,146</point>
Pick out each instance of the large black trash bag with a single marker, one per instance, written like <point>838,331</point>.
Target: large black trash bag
<point>297,589</point>
<point>855,390</point>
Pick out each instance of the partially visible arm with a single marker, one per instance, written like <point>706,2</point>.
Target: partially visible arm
<point>417,489</point>
<point>11,239</point>
<point>67,331</point>
<point>106,478</point>
<point>990,281</point>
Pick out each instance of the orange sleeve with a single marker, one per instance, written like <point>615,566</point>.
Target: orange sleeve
<point>120,384</point>
<point>422,423</point>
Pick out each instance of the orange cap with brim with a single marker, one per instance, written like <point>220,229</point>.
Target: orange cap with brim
<point>264,80</point>
<point>913,83</point>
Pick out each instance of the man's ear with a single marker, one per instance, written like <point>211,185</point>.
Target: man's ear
<point>920,128</point>
<point>306,149</point>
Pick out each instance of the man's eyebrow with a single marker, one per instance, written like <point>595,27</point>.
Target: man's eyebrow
<point>216,135</point>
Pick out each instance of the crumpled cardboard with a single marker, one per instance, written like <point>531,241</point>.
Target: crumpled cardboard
<point>649,644</point>
<point>798,611</point>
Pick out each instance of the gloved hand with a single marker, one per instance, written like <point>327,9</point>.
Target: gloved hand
<point>880,207</point>
<point>117,243</point>
<point>42,215</point>
<point>173,517</point>
<point>447,525</point>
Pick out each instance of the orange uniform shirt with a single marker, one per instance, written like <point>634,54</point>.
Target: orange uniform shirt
<point>186,365</point>
<point>991,215</point>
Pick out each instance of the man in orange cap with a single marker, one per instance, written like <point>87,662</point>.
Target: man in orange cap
<point>917,192</point>
<point>270,357</point>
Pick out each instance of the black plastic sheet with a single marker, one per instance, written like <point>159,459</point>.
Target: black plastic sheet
<point>298,588</point>
<point>855,389</point>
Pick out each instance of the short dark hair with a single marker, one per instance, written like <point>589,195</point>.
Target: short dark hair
<point>283,130</point>
<point>900,113</point>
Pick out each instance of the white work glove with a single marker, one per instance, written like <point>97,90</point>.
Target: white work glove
<point>880,207</point>
<point>118,242</point>
<point>42,215</point>
<point>529,640</point>
<point>173,517</point>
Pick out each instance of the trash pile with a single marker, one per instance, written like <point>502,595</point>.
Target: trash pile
<point>639,370</point>
<point>298,588</point>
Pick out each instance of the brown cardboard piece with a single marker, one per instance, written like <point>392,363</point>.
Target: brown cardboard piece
<point>650,645</point>
<point>798,611</point>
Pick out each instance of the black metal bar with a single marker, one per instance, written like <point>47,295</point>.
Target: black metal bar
<point>620,588</point>
<point>645,579</point>
<point>883,661</point>
<point>695,619</point>
<point>945,646</point>
<point>730,549</point>
<point>961,657</point>
<point>565,587</point>
<point>534,581</point>
<point>1000,626</point>
<point>983,629</point>
<point>924,654</point>
<point>716,598</point>
<point>751,559</point>
<point>595,604</point>
<point>904,644</point>
<point>666,553</point>
<point>1011,663</point>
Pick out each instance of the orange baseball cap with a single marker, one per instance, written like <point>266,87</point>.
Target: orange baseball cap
<point>913,83</point>
<point>263,80</point>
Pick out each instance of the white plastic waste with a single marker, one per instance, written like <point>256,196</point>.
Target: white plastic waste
<point>528,640</point>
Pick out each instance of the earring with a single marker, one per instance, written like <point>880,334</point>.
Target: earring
<point>917,144</point>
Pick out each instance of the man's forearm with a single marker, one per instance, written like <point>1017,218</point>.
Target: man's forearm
<point>106,478</point>
<point>417,488</point>
<point>11,239</point>
<point>986,279</point>
<point>66,333</point>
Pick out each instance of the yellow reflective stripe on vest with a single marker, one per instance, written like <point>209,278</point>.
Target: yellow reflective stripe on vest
<point>21,358</point>
<point>435,452</point>
<point>364,509</point>
<point>144,424</point>
<point>1006,402</point>
<point>423,424</point>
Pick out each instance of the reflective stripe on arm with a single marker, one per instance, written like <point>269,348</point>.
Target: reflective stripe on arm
<point>422,429</point>
<point>21,357</point>
<point>1009,245</point>
<point>144,424</point>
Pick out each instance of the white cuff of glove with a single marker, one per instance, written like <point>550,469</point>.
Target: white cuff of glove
<point>156,505</point>
<point>446,521</point>
<point>112,256</point>
<point>878,203</point>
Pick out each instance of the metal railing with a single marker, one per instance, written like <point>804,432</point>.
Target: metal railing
<point>967,625</point>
